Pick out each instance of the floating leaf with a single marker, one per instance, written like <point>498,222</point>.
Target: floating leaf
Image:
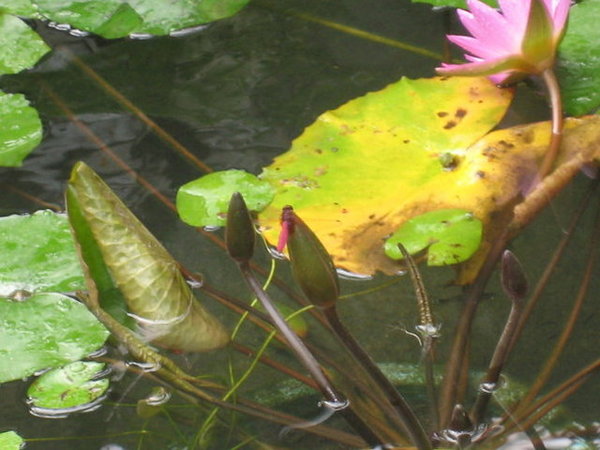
<point>9,440</point>
<point>21,46</point>
<point>450,236</point>
<point>38,254</point>
<point>119,18</point>
<point>21,129</point>
<point>68,389</point>
<point>204,202</point>
<point>149,278</point>
<point>454,3</point>
<point>579,59</point>
<point>46,330</point>
<point>362,170</point>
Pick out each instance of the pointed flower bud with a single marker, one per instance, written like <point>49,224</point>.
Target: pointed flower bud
<point>239,233</point>
<point>520,40</point>
<point>513,278</point>
<point>312,266</point>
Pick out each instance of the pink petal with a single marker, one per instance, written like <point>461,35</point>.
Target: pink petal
<point>516,13</point>
<point>284,235</point>
<point>559,13</point>
<point>473,46</point>
<point>489,26</point>
<point>480,67</point>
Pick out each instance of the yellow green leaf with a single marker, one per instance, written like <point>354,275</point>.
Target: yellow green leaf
<point>361,171</point>
<point>352,174</point>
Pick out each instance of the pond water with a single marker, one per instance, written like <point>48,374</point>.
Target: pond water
<point>235,93</point>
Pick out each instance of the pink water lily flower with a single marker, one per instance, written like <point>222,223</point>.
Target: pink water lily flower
<point>508,45</point>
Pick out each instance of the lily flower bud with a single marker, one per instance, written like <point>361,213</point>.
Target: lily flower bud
<point>513,278</point>
<point>240,234</point>
<point>311,264</point>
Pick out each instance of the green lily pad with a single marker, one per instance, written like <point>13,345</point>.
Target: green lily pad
<point>70,387</point>
<point>21,129</point>
<point>451,236</point>
<point>46,330</point>
<point>21,46</point>
<point>119,18</point>
<point>38,254</point>
<point>204,202</point>
<point>9,440</point>
<point>579,59</point>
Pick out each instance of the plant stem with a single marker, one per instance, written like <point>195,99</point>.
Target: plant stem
<point>557,125</point>
<point>412,425</point>
<point>452,374</point>
<point>428,331</point>
<point>545,373</point>
<point>490,382</point>
<point>307,359</point>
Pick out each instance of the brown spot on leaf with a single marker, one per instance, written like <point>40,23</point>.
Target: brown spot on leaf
<point>449,125</point>
<point>480,174</point>
<point>460,113</point>
<point>442,114</point>
<point>318,151</point>
<point>406,141</point>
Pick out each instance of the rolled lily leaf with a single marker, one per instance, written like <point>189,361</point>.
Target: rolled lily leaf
<point>155,292</point>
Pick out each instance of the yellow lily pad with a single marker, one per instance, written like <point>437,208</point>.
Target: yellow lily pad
<point>361,171</point>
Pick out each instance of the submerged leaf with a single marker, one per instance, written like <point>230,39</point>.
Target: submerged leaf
<point>156,293</point>
<point>71,388</point>
<point>46,330</point>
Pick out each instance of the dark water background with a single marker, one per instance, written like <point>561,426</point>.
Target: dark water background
<point>235,94</point>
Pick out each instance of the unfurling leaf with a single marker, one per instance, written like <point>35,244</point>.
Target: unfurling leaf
<point>156,293</point>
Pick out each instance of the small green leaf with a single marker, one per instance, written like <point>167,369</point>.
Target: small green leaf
<point>69,387</point>
<point>9,440</point>
<point>46,330</point>
<point>204,202</point>
<point>451,236</point>
<point>38,254</point>
<point>21,129</point>
<point>21,46</point>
